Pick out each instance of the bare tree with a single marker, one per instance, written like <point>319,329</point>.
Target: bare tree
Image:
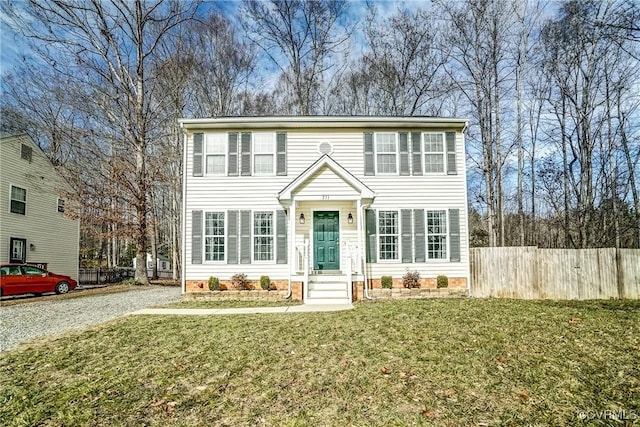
<point>299,36</point>
<point>104,48</point>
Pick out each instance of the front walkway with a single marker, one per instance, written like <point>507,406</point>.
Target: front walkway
<point>305,308</point>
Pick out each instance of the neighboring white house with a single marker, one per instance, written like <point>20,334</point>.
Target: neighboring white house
<point>325,206</point>
<point>33,224</point>
<point>163,263</point>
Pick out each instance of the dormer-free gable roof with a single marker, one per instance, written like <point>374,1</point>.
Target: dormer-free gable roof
<point>325,161</point>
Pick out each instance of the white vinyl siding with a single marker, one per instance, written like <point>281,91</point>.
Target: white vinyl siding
<point>388,231</point>
<point>326,191</point>
<point>214,226</point>
<point>216,153</point>
<point>433,152</point>
<point>437,234</point>
<point>386,146</point>
<point>41,225</point>
<point>264,150</point>
<point>263,233</point>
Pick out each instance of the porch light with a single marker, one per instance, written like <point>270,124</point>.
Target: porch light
<point>301,218</point>
<point>350,218</point>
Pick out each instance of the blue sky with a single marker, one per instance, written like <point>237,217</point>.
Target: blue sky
<point>13,47</point>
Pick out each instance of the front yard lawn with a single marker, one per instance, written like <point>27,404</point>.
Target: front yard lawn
<point>422,362</point>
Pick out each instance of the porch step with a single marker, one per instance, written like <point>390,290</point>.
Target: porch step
<point>326,289</point>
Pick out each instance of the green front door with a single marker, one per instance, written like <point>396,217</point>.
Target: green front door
<point>326,241</point>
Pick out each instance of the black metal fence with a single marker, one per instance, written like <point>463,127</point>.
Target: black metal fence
<point>105,276</point>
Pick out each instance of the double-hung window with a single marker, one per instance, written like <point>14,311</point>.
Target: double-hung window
<point>388,235</point>
<point>264,148</point>
<point>386,152</point>
<point>214,236</point>
<point>18,200</point>
<point>437,234</point>
<point>433,152</point>
<point>215,151</point>
<point>263,234</point>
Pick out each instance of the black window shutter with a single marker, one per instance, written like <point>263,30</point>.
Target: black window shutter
<point>416,150</point>
<point>281,244</point>
<point>418,232</point>
<point>407,237</point>
<point>454,235</point>
<point>233,154</point>
<point>451,153</point>
<point>197,154</point>
<point>369,164</point>
<point>196,237</point>
<point>245,154</point>
<point>404,153</point>
<point>232,237</point>
<point>245,237</point>
<point>371,227</point>
<point>281,153</point>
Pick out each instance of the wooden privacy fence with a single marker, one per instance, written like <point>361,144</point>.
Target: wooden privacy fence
<point>532,273</point>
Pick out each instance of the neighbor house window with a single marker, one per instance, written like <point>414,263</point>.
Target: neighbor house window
<point>18,200</point>
<point>386,152</point>
<point>264,148</point>
<point>26,152</point>
<point>60,205</point>
<point>215,151</point>
<point>17,250</point>
<point>433,152</point>
<point>263,236</point>
<point>437,234</point>
<point>214,236</point>
<point>388,234</point>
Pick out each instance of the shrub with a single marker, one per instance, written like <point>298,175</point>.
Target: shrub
<point>411,279</point>
<point>222,287</point>
<point>241,282</point>
<point>265,282</point>
<point>442,281</point>
<point>273,287</point>
<point>214,283</point>
<point>387,282</point>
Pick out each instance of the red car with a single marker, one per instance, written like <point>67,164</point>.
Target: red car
<point>27,279</point>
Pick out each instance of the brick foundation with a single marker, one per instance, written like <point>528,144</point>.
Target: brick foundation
<point>425,283</point>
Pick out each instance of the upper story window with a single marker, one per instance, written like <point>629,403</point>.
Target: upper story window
<point>26,152</point>
<point>18,200</point>
<point>433,152</point>
<point>386,146</point>
<point>216,153</point>
<point>264,149</point>
<point>60,205</point>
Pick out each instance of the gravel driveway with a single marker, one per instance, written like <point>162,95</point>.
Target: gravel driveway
<point>22,322</point>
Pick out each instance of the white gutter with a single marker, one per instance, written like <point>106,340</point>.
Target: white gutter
<point>466,206</point>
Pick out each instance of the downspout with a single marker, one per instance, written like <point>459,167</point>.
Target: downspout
<point>183,280</point>
<point>363,257</point>
<point>292,245</point>
<point>466,207</point>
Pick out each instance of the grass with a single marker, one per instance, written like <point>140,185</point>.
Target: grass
<point>229,304</point>
<point>421,362</point>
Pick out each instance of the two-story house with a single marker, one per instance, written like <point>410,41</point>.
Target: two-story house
<point>324,206</point>
<point>33,225</point>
